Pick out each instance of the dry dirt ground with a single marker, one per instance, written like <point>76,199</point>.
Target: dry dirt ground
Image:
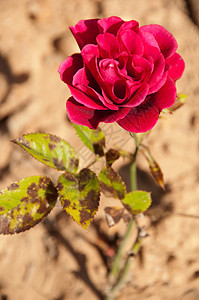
<point>57,259</point>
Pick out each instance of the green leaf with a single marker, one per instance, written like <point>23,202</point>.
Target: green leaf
<point>25,203</point>
<point>111,183</point>
<point>79,195</point>
<point>137,201</point>
<point>50,150</point>
<point>93,139</point>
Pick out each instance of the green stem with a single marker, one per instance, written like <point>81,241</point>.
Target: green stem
<point>116,264</point>
<point>133,174</point>
<point>124,273</point>
<point>119,278</point>
<point>116,288</point>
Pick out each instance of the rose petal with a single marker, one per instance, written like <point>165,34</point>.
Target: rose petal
<point>120,90</point>
<point>89,54</point>
<point>111,24</point>
<point>130,25</point>
<point>144,117</point>
<point>165,39</point>
<point>87,97</point>
<point>158,71</point>
<point>122,59</point>
<point>109,70</point>
<point>145,66</point>
<point>80,114</point>
<point>138,97</point>
<point>109,116</point>
<point>80,78</point>
<point>140,119</point>
<point>166,96</point>
<point>83,93</point>
<point>153,54</point>
<point>177,66</point>
<point>159,84</point>
<point>69,67</point>
<point>131,42</point>
<point>85,32</point>
<point>83,77</point>
<point>150,43</point>
<point>108,45</point>
<point>109,90</point>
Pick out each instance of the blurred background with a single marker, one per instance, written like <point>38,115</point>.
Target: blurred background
<point>57,260</point>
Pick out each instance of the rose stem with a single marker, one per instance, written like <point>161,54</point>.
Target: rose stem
<point>115,274</point>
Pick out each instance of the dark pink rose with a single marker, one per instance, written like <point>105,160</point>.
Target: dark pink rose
<point>124,73</point>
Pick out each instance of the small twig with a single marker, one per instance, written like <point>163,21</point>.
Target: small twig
<point>186,215</point>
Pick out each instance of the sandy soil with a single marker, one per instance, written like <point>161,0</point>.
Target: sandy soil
<point>57,260</point>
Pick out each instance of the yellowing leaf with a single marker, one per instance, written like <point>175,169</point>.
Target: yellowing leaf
<point>111,183</point>
<point>79,195</point>
<point>50,150</point>
<point>25,203</point>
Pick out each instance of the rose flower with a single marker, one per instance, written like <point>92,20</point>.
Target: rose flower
<point>124,73</point>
